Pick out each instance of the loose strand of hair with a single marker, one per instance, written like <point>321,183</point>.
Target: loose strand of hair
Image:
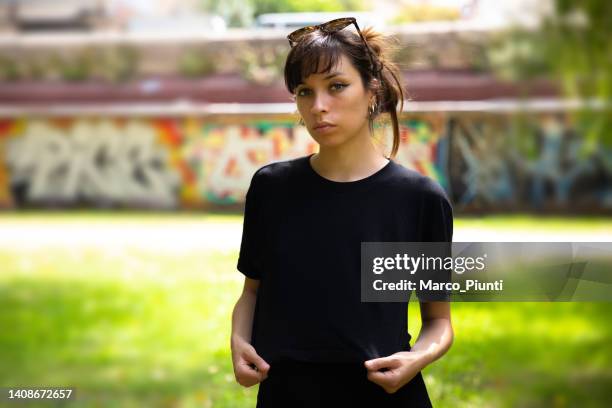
<point>398,92</point>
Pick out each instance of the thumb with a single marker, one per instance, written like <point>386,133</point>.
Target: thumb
<point>257,360</point>
<point>378,363</point>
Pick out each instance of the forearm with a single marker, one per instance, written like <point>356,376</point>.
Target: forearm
<point>434,340</point>
<point>242,316</point>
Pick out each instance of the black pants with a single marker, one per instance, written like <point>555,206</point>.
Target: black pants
<point>321,385</point>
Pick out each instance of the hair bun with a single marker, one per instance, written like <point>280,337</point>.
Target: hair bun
<point>376,41</point>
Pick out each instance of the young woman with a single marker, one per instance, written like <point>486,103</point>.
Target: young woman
<point>299,328</point>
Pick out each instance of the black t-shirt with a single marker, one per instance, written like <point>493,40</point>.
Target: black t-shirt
<point>302,239</point>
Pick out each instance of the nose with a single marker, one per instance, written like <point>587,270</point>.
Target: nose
<point>320,104</point>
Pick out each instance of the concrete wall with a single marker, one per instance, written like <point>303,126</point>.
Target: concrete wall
<point>486,161</point>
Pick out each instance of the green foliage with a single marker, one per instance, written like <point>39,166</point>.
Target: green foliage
<point>573,47</point>
<point>196,62</point>
<point>515,55</point>
<point>9,70</point>
<point>262,65</point>
<point>411,13</point>
<point>237,13</point>
<point>14,68</point>
<point>289,6</point>
<point>117,64</point>
<point>576,41</point>
<point>114,64</point>
<point>35,68</point>
<point>75,68</point>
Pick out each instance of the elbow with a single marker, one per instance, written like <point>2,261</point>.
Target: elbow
<point>450,336</point>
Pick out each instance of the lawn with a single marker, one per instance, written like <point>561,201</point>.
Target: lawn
<point>137,327</point>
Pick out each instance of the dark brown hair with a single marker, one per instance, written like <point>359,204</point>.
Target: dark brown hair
<point>319,52</point>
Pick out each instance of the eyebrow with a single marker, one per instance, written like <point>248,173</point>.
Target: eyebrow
<point>331,75</point>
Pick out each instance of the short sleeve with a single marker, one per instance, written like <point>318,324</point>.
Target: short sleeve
<point>437,221</point>
<point>437,226</point>
<point>249,257</point>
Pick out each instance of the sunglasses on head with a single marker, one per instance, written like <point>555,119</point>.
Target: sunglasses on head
<point>332,27</point>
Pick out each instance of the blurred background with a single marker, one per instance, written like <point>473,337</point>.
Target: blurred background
<point>129,132</point>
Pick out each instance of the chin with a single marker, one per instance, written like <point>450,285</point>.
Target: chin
<point>329,140</point>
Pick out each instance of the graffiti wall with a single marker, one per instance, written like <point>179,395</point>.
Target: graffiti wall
<point>540,164</point>
<point>486,162</point>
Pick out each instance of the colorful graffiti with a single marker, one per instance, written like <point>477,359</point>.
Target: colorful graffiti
<point>225,157</point>
<point>83,161</point>
<point>423,146</point>
<point>547,165</point>
<point>484,161</point>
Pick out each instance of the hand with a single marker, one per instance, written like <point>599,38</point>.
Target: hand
<point>399,368</point>
<point>249,367</point>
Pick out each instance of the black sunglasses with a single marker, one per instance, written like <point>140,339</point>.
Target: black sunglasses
<point>332,27</point>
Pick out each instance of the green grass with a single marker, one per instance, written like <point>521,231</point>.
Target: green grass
<point>122,328</point>
<point>506,222</point>
<point>524,354</point>
<point>108,216</point>
<point>539,223</point>
<point>139,328</point>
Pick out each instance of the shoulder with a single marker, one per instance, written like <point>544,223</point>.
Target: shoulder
<point>416,184</point>
<point>277,172</point>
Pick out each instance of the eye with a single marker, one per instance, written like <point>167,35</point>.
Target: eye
<point>302,92</point>
<point>338,86</point>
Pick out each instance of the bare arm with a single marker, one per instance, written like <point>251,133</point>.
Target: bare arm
<point>249,367</point>
<point>436,335</point>
<point>435,338</point>
<point>242,317</point>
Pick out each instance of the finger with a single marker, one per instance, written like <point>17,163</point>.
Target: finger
<point>380,363</point>
<point>247,382</point>
<point>382,377</point>
<point>247,376</point>
<point>386,381</point>
<point>260,363</point>
<point>263,374</point>
<point>254,371</point>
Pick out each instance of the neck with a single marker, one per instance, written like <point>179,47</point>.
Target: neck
<point>354,160</point>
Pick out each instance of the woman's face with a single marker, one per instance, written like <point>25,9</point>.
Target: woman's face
<point>334,105</point>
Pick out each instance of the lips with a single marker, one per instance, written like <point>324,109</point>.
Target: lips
<point>323,126</point>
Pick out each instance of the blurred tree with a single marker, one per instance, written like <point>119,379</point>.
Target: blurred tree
<point>576,42</point>
<point>9,69</point>
<point>76,67</point>
<point>288,6</point>
<point>572,46</point>
<point>241,12</point>
<point>410,13</point>
<point>236,13</point>
<point>262,65</point>
<point>116,64</point>
<point>196,63</point>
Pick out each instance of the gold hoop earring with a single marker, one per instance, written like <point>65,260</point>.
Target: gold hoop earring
<point>300,121</point>
<point>372,109</point>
